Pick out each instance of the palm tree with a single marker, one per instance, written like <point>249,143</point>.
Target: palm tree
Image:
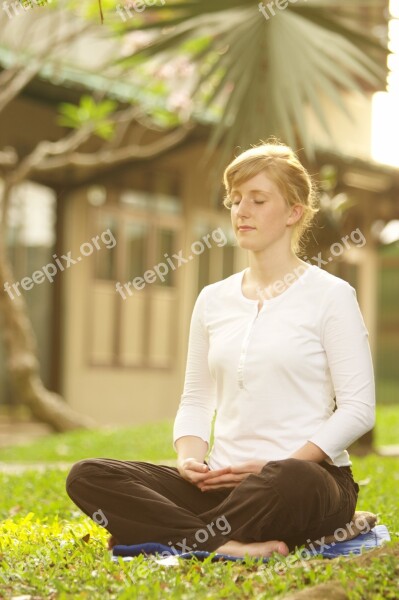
<point>259,68</point>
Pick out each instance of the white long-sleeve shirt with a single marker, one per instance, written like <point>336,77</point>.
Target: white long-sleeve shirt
<point>272,376</point>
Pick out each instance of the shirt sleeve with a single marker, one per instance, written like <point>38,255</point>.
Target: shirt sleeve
<point>345,340</point>
<point>198,400</point>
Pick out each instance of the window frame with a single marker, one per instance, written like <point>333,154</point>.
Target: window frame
<point>156,221</point>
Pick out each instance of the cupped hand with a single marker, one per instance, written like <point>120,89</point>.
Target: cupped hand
<point>195,471</point>
<point>230,477</point>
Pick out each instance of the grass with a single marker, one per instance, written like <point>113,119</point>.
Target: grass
<point>49,549</point>
<point>150,442</point>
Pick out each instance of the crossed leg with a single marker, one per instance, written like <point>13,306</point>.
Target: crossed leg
<point>289,501</point>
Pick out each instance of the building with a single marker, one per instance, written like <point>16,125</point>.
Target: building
<point>119,356</point>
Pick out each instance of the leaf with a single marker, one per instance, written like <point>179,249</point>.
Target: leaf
<point>89,111</point>
<point>262,76</point>
<point>105,130</point>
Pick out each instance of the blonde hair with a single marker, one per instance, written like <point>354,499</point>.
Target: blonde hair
<point>282,165</point>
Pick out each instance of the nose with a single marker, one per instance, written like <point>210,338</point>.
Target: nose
<point>244,207</point>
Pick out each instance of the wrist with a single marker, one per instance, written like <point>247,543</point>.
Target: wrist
<point>183,459</point>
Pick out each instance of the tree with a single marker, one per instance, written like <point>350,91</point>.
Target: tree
<point>258,68</point>
<point>91,118</point>
<point>245,65</point>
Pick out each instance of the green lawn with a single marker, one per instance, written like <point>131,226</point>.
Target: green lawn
<point>42,554</point>
<point>148,442</point>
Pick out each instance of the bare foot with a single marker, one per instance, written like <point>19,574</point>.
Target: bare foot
<point>256,549</point>
<point>362,521</point>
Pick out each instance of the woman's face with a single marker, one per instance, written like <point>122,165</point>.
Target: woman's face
<point>259,213</point>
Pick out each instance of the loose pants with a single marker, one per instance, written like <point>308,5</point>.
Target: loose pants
<point>291,500</point>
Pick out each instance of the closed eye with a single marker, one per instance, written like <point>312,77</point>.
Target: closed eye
<point>254,201</point>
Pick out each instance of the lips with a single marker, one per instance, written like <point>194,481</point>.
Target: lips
<point>244,228</point>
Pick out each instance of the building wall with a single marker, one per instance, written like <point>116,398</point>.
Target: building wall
<point>117,391</point>
<point>119,394</point>
<point>351,132</point>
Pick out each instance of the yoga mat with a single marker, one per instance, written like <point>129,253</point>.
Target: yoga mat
<point>365,541</point>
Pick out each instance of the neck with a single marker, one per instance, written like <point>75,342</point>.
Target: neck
<point>265,269</point>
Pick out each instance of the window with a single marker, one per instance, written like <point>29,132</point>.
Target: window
<point>221,259</point>
<point>137,235</point>
<point>133,313</point>
<point>105,267</point>
<point>166,245</point>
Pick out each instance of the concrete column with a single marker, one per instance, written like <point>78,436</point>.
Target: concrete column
<point>368,290</point>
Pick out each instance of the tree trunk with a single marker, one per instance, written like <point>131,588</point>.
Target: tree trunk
<point>22,360</point>
<point>20,342</point>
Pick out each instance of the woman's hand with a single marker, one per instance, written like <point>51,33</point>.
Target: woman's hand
<point>195,471</point>
<point>230,477</point>
<point>191,469</point>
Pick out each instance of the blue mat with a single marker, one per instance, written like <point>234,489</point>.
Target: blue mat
<point>366,541</point>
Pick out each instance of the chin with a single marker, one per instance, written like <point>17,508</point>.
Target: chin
<point>247,242</point>
<point>245,245</point>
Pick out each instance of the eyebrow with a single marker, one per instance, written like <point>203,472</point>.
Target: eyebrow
<point>236,191</point>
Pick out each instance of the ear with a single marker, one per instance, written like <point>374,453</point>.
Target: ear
<point>295,214</point>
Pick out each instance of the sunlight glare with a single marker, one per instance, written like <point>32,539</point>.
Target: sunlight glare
<point>385,124</point>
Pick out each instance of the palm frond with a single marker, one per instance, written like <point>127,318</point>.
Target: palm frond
<point>263,76</point>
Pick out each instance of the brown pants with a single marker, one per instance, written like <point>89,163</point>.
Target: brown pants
<point>291,500</point>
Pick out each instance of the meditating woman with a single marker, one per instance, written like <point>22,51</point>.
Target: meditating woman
<point>280,351</point>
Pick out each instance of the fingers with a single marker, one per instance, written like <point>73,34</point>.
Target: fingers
<point>242,468</point>
<point>224,477</point>
<point>228,480</point>
<point>192,464</point>
<point>199,474</point>
<point>196,476</point>
<point>193,470</point>
<point>252,466</point>
<point>203,477</point>
<point>218,473</point>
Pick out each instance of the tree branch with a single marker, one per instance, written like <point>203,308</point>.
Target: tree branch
<point>22,76</point>
<point>45,148</point>
<point>64,147</point>
<point>108,158</point>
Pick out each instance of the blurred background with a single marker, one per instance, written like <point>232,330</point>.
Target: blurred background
<point>113,138</point>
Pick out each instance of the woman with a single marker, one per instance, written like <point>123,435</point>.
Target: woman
<point>281,351</point>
